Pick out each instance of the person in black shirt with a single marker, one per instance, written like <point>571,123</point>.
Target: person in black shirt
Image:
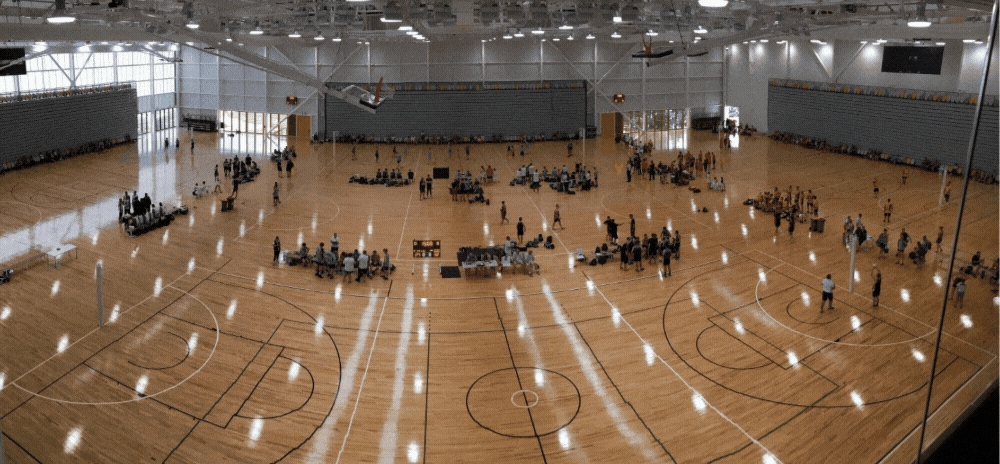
<point>520,230</point>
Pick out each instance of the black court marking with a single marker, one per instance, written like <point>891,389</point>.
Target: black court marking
<point>788,311</point>
<point>151,316</point>
<point>524,395</point>
<point>12,440</point>
<point>669,343</point>
<point>339,366</point>
<point>621,395</point>
<point>513,363</point>
<point>427,391</point>
<point>153,399</point>
<point>187,353</point>
<point>697,344</point>
<point>238,377</point>
<point>312,390</point>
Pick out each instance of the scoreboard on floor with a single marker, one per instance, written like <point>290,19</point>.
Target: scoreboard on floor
<point>426,248</point>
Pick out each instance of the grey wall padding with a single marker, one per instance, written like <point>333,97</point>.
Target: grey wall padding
<point>465,113</point>
<point>903,128</point>
<point>39,125</point>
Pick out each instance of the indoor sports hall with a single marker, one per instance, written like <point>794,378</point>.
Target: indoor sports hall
<point>470,231</point>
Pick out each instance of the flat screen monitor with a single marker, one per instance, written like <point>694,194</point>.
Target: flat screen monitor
<point>912,60</point>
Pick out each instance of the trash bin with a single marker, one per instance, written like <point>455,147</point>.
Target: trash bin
<point>817,224</point>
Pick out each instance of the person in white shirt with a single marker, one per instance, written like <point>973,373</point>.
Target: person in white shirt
<point>386,266</point>
<point>348,266</point>
<point>362,266</point>
<point>335,243</point>
<point>828,287</point>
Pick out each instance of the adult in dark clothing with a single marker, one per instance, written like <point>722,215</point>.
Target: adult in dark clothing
<point>520,230</point>
<point>666,262</point>
<point>631,225</point>
<point>877,286</point>
<point>277,248</point>
<point>146,203</point>
<point>777,220</point>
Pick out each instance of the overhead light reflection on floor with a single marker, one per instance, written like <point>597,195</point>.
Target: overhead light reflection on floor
<point>293,371</point>
<point>694,242</point>
<point>63,344</point>
<point>716,214</point>
<point>140,385</point>
<point>905,295</point>
<point>72,440</point>
<point>260,216</point>
<point>937,279</point>
<point>93,238</point>
<point>315,218</point>
<point>191,220</point>
<point>423,302</point>
<point>157,286</point>
<point>539,378</point>
<point>421,333</point>
<point>855,322</point>
<point>114,313</point>
<point>805,298</point>
<point>966,321</point>
<point>545,225</point>
<point>597,219</point>
<point>232,310</point>
<point>857,276</point>
<point>212,209</point>
<point>738,326</point>
<point>418,383</point>
<point>751,213</point>
<point>243,228</point>
<point>670,224</point>
<point>725,258</point>
<point>616,317</point>
<point>219,246</point>
<point>694,207</point>
<point>190,265</point>
<point>318,328</point>
<point>3,378</point>
<point>486,229</point>
<point>564,439</point>
<point>336,293</point>
<point>55,287</point>
<point>192,342</point>
<point>521,330</point>
<point>5,313</point>
<point>699,402</point>
<point>426,271</point>
<point>743,228</point>
<point>761,275</point>
<point>769,459</point>
<point>413,452</point>
<point>369,227</point>
<point>260,279</point>
<point>256,427</point>
<point>812,256</point>
<point>919,356</point>
<point>299,239</point>
<point>792,358</point>
<point>166,236</point>
<point>856,399</point>
<point>650,354</point>
<point>725,202</point>
<point>649,213</point>
<point>694,298</point>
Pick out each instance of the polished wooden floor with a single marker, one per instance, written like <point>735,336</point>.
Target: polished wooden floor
<point>211,353</point>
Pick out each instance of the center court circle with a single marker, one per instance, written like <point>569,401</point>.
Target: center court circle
<point>523,402</point>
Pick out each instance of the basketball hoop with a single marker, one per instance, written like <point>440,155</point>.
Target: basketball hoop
<point>648,47</point>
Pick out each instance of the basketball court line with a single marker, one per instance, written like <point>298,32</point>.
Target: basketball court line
<point>686,384</point>
<point>868,299</point>
<point>364,375</point>
<point>151,295</point>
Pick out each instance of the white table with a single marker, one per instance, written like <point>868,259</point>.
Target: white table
<point>57,253</point>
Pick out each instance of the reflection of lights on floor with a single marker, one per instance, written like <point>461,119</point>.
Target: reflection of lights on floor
<point>937,279</point>
<point>55,287</point>
<point>966,321</point>
<point>423,302</point>
<point>918,355</point>
<point>140,385</point>
<point>751,213</point>
<point>716,215</point>
<point>792,358</point>
<point>616,317</point>
<point>770,459</point>
<point>725,258</point>
<point>418,383</point>
<point>905,295</point>
<point>694,242</point>
<point>564,439</point>
<point>649,213</point>
<point>597,219</point>
<point>694,298</point>
<point>650,355</point>
<point>694,207</point>
<point>805,298</point>
<point>255,429</point>
<point>857,276</point>
<point>486,229</point>
<point>855,322</point>
<point>699,402</point>
<point>260,279</point>
<point>63,344</point>
<point>725,202</point>
<point>260,216</point>
<point>243,228</point>
<point>191,220</point>
<point>510,294</point>
<point>421,333</point>
<point>996,300</point>
<point>157,286</point>
<point>856,399</point>
<point>5,313</point>
<point>738,326</point>
<point>743,227</point>
<point>318,328</point>
<point>166,236</point>
<point>413,452</point>
<point>761,275</point>
<point>521,329</point>
<point>670,224</point>
<point>114,313</point>
<point>72,440</point>
<point>539,377</point>
<point>219,246</point>
<point>812,257</point>
<point>190,265</point>
<point>232,310</point>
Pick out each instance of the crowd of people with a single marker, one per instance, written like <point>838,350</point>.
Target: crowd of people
<point>386,177</point>
<point>561,180</point>
<point>50,156</point>
<point>141,215</point>
<point>332,262</point>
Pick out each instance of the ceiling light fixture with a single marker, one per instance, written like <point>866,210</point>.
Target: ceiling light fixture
<point>406,28</point>
<point>763,40</point>
<point>617,18</point>
<point>59,16</point>
<point>616,35</point>
<point>337,39</point>
<point>507,37</point>
<point>566,27</point>
<point>519,34</point>
<point>412,33</point>
<point>192,25</point>
<point>591,37</point>
<point>387,20</point>
<point>713,3</point>
<point>921,19</point>
<point>569,38</point>
<point>652,33</point>
<point>700,30</point>
<point>555,39</point>
<point>939,44</point>
<point>319,37</point>
<point>538,32</point>
<point>295,35</point>
<point>256,32</point>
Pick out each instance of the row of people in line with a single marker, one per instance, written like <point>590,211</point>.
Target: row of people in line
<point>512,256</point>
<point>330,263</point>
